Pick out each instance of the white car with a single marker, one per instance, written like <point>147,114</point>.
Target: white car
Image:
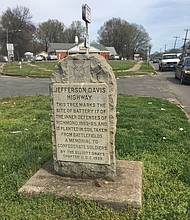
<point>39,58</point>
<point>5,59</point>
<point>168,61</point>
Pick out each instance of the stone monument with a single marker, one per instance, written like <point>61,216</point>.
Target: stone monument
<point>83,100</point>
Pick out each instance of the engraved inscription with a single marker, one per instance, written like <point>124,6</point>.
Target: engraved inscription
<point>81,122</point>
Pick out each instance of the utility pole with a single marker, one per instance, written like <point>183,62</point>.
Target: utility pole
<point>184,43</point>
<point>175,41</point>
<point>165,48</point>
<point>7,35</point>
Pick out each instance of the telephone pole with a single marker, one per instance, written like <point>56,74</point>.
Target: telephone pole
<point>176,37</point>
<point>165,48</point>
<point>184,43</point>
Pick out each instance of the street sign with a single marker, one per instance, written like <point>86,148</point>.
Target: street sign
<point>10,47</point>
<point>86,13</point>
<point>10,53</point>
<point>10,50</point>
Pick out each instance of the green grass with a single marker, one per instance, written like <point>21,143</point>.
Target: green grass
<point>45,68</point>
<point>145,69</point>
<point>121,64</point>
<point>47,64</point>
<point>157,133</point>
<point>32,69</point>
<point>150,130</point>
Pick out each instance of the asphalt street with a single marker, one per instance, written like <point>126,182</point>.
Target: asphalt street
<point>154,86</point>
<point>162,85</point>
<point>15,86</point>
<point>147,85</point>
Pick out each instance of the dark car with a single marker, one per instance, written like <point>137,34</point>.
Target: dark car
<point>182,70</point>
<point>156,59</point>
<point>52,57</point>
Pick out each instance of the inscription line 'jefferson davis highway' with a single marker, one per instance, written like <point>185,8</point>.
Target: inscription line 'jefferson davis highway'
<point>75,90</point>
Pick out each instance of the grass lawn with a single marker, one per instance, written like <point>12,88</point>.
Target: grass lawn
<point>121,64</point>
<point>31,69</point>
<point>150,130</point>
<point>145,69</point>
<point>45,68</point>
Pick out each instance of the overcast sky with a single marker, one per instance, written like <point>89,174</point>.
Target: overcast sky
<point>162,19</point>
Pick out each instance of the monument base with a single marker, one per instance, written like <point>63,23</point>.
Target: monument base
<point>124,192</point>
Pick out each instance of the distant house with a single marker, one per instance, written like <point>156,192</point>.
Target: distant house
<point>113,54</point>
<point>43,54</point>
<point>62,50</point>
<point>28,56</point>
<point>137,56</point>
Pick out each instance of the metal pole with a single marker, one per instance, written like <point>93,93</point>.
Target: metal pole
<point>87,38</point>
<point>7,34</point>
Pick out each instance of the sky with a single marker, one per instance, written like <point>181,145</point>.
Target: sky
<point>163,20</point>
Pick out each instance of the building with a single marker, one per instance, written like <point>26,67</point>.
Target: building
<point>62,50</point>
<point>43,54</point>
<point>137,56</point>
<point>113,54</point>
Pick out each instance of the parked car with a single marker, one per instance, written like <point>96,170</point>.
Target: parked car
<point>5,59</point>
<point>114,57</point>
<point>52,57</point>
<point>156,59</point>
<point>182,70</point>
<point>39,58</point>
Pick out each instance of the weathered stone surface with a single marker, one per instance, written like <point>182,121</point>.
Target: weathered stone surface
<point>83,96</point>
<point>125,191</point>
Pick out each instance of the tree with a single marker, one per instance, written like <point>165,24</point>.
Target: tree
<point>138,40</point>
<point>127,38</point>
<point>50,31</point>
<point>75,29</point>
<point>113,33</point>
<point>18,29</point>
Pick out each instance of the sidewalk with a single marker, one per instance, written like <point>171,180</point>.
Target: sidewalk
<point>136,67</point>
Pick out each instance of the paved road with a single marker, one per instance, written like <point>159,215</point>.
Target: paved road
<point>155,86</point>
<point>146,85</point>
<point>162,85</point>
<point>182,92</point>
<point>14,86</point>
